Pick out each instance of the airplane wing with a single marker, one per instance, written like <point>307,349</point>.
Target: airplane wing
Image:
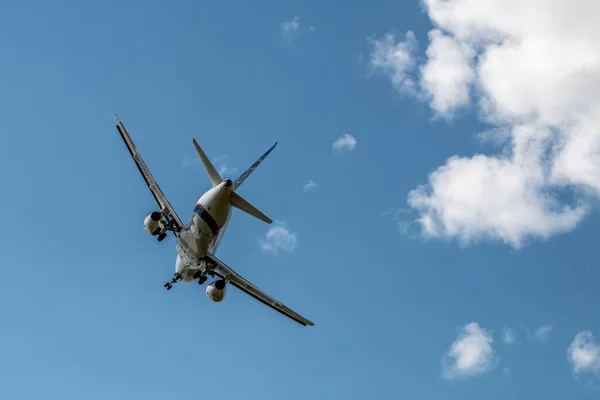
<point>219,268</point>
<point>165,207</point>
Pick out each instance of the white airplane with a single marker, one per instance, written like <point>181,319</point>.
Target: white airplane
<point>198,240</point>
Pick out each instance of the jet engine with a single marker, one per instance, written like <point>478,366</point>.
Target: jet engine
<point>216,291</point>
<point>153,223</point>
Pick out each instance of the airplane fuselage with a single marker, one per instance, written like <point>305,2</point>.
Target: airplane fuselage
<point>205,230</point>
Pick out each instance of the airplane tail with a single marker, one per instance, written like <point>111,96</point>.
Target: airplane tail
<point>235,200</point>
<point>238,182</point>
<point>211,171</point>
<point>238,201</point>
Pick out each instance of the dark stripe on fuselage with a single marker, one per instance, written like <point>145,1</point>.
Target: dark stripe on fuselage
<point>206,217</point>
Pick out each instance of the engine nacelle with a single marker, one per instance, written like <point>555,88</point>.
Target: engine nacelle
<point>153,223</point>
<point>216,291</point>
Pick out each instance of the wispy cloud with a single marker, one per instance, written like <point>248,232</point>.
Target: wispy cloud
<point>509,336</point>
<point>400,217</point>
<point>289,29</point>
<point>584,354</point>
<point>396,59</point>
<point>188,161</point>
<point>344,142</point>
<point>278,236</point>
<point>471,354</point>
<point>310,185</point>
<point>221,163</point>
<point>542,333</point>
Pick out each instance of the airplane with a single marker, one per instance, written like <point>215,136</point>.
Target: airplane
<point>198,240</point>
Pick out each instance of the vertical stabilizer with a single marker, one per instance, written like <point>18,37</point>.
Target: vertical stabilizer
<point>247,173</point>
<point>211,171</point>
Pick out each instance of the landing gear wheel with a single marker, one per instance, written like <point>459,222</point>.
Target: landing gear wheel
<point>202,280</point>
<point>176,278</point>
<point>162,236</point>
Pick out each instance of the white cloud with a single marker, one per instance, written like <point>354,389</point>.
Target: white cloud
<point>310,185</point>
<point>542,333</point>
<point>584,354</point>
<point>396,59</point>
<point>188,161</point>
<point>534,68</point>
<point>279,237</point>
<point>400,216</point>
<point>471,354</point>
<point>509,336</point>
<point>344,142</point>
<point>448,73</point>
<point>289,29</point>
<point>221,163</point>
<point>492,197</point>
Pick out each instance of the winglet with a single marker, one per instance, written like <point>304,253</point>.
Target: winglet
<point>211,171</point>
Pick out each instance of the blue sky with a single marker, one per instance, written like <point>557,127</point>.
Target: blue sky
<point>446,250</point>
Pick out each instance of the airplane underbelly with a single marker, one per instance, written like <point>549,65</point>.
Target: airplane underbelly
<point>194,241</point>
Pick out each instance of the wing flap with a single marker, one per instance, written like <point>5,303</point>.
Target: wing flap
<point>225,272</point>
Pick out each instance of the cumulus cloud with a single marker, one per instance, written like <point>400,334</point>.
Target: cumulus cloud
<point>278,237</point>
<point>471,354</point>
<point>532,69</point>
<point>289,29</point>
<point>344,142</point>
<point>584,354</point>
<point>448,73</point>
<point>310,185</point>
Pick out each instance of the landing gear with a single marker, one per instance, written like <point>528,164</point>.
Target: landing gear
<point>167,225</point>
<point>201,278</point>
<point>175,279</point>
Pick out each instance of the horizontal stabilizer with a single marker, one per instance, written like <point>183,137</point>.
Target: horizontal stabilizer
<point>211,171</point>
<point>238,202</point>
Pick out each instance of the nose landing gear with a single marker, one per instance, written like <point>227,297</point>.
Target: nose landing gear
<point>175,279</point>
